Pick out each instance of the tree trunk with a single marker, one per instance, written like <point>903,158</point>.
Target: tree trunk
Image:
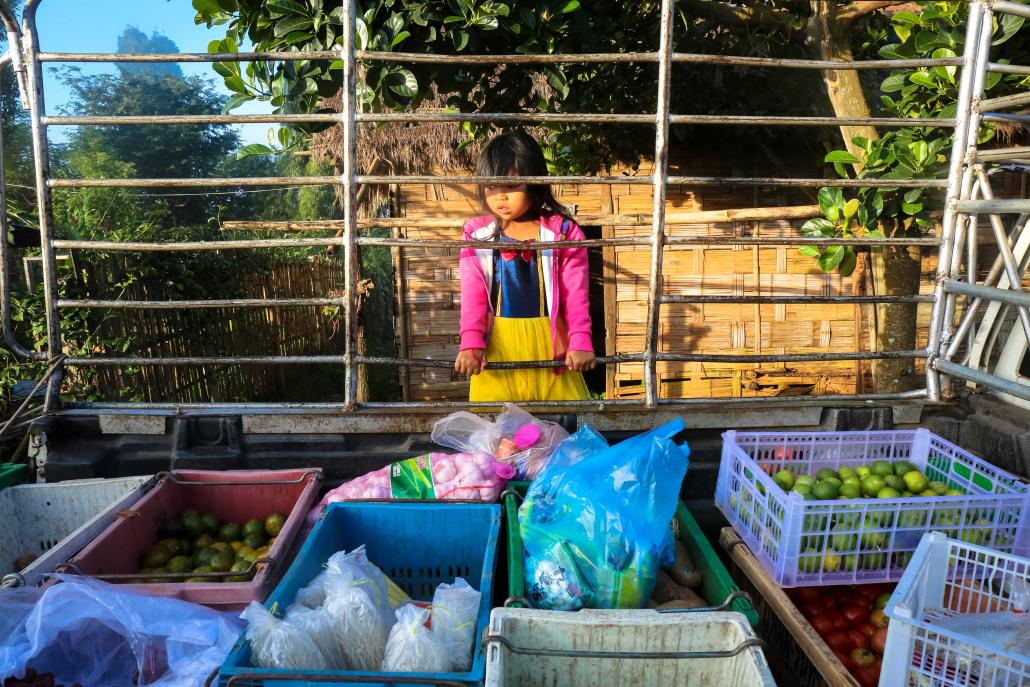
<point>829,38</point>
<point>896,272</point>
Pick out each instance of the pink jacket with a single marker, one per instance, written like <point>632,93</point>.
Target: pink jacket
<point>566,282</point>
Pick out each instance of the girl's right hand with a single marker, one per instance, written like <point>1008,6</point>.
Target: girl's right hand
<point>470,361</point>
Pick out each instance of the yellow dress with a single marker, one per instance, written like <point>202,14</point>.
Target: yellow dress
<point>516,337</point>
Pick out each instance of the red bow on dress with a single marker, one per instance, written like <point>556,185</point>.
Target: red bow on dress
<point>525,253</point>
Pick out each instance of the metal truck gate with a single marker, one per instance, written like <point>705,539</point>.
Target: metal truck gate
<point>967,187</point>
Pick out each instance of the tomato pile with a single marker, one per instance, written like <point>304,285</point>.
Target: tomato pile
<point>851,621</point>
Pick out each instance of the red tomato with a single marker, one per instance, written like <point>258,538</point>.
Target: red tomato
<point>839,621</point>
<point>822,625</point>
<point>862,657</point>
<point>824,602</point>
<point>855,614</point>
<point>878,642</point>
<point>867,629</point>
<point>846,661</point>
<point>784,453</point>
<point>839,641</point>
<point>860,640</point>
<point>807,593</point>
<point>869,676</point>
<point>878,618</point>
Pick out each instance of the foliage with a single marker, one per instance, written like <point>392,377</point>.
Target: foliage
<point>938,31</point>
<point>448,27</point>
<point>133,40</point>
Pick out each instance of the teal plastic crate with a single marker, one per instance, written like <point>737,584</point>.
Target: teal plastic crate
<point>11,474</point>
<point>418,546</point>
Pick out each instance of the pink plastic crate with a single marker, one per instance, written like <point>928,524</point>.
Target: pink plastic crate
<point>860,541</point>
<point>232,496</point>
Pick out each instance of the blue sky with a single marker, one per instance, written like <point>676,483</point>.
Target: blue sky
<point>94,26</point>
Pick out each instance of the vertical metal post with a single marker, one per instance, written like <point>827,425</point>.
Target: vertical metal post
<point>660,178</point>
<point>956,178</point>
<point>41,160</point>
<point>350,210</point>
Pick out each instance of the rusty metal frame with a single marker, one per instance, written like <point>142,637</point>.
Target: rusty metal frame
<point>25,55</point>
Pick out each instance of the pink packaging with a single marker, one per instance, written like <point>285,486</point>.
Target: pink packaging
<point>469,476</point>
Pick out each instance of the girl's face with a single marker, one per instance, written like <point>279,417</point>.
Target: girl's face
<point>509,202</point>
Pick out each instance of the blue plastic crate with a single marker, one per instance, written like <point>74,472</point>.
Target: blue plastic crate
<point>418,546</point>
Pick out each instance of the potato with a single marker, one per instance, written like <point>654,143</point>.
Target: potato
<point>683,571</point>
<point>694,602</point>
<point>666,589</point>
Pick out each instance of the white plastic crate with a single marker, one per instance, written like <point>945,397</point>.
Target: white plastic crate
<point>54,521</point>
<point>861,540</point>
<point>949,578</point>
<point>522,645</point>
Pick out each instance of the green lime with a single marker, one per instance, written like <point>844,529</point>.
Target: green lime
<point>230,531</point>
<point>187,547</point>
<point>954,492</point>
<point>204,556</point>
<point>939,487</point>
<point>180,564</point>
<point>253,527</point>
<point>193,525</point>
<point>850,490</point>
<point>211,524</point>
<point>824,473</point>
<point>254,541</point>
<point>903,467</point>
<point>156,556</point>
<point>844,472</point>
<point>881,468</point>
<point>173,529</point>
<point>203,541</point>
<point>172,546</point>
<point>803,489</point>
<point>888,493</point>
<point>863,471</point>
<point>810,561</point>
<point>871,486</point>
<point>915,481</point>
<point>894,482</point>
<point>872,536</point>
<point>844,540</point>
<point>785,479</point>
<point>274,524</point>
<point>239,566</point>
<point>825,491</point>
<point>222,561</point>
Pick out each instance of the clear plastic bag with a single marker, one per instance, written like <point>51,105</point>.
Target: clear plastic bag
<point>86,631</point>
<point>594,532</point>
<point>277,643</point>
<point>319,626</point>
<point>529,451</point>
<point>413,647</point>
<point>455,610</point>
<point>356,598</point>
<point>312,595</point>
<point>464,431</point>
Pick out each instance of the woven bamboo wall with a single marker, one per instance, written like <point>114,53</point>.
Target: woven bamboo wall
<point>430,292</point>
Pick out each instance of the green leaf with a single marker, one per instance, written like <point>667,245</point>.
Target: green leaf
<point>911,208</point>
<point>830,258</point>
<point>909,18</point>
<point>850,208</point>
<point>278,8</point>
<point>253,149</point>
<point>460,39</point>
<point>912,195</point>
<point>902,31</point>
<point>361,32</point>
<point>920,149</point>
<point>841,156</point>
<point>570,6</point>
<point>923,79</point>
<point>809,251</point>
<point>818,227</point>
<point>848,262</point>
<point>830,201</point>
<point>207,7</point>
<point>290,24</point>
<point>875,234</point>
<point>399,38</point>
<point>236,101</point>
<point>893,83</point>
<point>403,83</point>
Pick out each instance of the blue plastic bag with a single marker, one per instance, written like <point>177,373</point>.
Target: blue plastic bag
<point>594,532</point>
<point>86,631</point>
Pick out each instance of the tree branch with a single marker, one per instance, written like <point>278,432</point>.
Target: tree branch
<point>737,15</point>
<point>860,8</point>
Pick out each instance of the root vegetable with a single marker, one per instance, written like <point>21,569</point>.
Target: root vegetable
<point>683,571</point>
<point>693,601</point>
<point>666,589</point>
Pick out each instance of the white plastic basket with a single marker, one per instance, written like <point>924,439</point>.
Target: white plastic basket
<point>54,521</point>
<point>859,541</point>
<point>948,579</point>
<point>593,648</point>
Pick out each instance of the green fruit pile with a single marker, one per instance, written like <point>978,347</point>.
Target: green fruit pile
<point>878,480</point>
<point>195,543</point>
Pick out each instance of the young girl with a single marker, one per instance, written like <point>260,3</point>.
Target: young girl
<point>520,305</point>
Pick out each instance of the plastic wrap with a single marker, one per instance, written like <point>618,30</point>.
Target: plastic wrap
<point>86,631</point>
<point>277,643</point>
<point>594,532</point>
<point>356,598</point>
<point>319,626</point>
<point>531,442</point>
<point>412,647</point>
<point>455,609</point>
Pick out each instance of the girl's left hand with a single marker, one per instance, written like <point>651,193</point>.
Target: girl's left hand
<point>580,361</point>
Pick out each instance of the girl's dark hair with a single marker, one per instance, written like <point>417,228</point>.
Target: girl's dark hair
<point>518,152</point>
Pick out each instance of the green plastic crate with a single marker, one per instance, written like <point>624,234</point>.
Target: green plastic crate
<point>716,582</point>
<point>11,474</point>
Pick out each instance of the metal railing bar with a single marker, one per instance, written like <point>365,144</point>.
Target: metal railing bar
<point>1001,102</point>
<point>1008,68</point>
<point>375,56</point>
<point>1011,8</point>
<point>798,241</point>
<point>132,361</point>
<point>449,180</point>
<point>998,154</point>
<point>352,269</point>
<point>1006,206</point>
<point>149,120</point>
<point>990,293</point>
<point>798,300</point>
<point>199,304</point>
<point>968,318</point>
<point>786,357</point>
<point>196,182</point>
<point>523,365</point>
<point>823,399</point>
<point>196,245</point>
<point>987,379</point>
<point>1005,117</point>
